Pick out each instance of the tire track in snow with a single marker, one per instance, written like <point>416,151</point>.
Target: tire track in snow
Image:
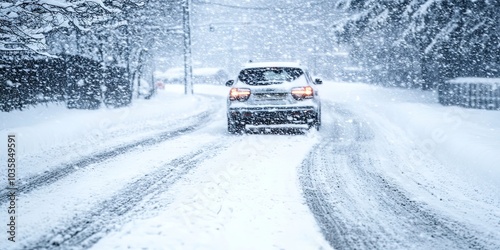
<point>86,229</point>
<point>357,208</point>
<point>68,168</point>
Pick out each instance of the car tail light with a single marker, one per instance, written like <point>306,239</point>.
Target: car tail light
<point>300,93</point>
<point>239,94</point>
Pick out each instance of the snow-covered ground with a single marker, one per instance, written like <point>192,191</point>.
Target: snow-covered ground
<point>165,174</point>
<point>51,135</point>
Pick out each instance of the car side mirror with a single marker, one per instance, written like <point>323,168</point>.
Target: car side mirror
<point>230,83</point>
<point>318,81</point>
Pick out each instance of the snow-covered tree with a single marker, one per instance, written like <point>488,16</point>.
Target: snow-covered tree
<point>24,24</point>
<point>423,40</point>
<point>107,43</point>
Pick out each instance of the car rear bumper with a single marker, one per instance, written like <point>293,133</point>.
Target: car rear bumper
<point>270,116</point>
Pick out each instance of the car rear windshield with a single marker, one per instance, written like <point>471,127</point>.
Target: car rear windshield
<point>267,76</point>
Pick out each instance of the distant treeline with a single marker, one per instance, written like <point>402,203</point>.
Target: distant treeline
<point>78,81</point>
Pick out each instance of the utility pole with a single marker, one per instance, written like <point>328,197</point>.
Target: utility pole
<point>130,80</point>
<point>188,65</point>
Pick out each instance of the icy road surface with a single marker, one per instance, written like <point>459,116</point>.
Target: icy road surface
<point>390,169</point>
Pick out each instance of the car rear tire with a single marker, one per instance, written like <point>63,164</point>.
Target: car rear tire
<point>315,125</point>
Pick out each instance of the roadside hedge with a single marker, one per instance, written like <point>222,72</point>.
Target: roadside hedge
<point>80,82</point>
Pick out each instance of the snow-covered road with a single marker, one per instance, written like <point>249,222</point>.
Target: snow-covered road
<point>390,169</point>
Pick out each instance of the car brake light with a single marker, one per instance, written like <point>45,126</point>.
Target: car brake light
<point>239,94</point>
<point>300,93</point>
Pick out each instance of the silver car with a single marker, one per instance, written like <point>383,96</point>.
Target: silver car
<point>273,95</point>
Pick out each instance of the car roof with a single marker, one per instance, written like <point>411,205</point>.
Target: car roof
<point>273,64</point>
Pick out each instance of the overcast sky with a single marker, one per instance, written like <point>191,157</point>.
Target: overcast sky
<point>260,30</point>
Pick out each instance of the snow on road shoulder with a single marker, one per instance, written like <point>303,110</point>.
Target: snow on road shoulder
<point>51,135</point>
<point>246,198</point>
<point>446,157</point>
<point>465,140</point>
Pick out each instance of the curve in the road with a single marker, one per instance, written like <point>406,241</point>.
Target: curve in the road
<point>357,207</point>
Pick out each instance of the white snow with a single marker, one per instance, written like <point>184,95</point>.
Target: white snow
<point>247,196</point>
<point>177,74</point>
<point>450,158</point>
<point>51,135</point>
<point>465,139</point>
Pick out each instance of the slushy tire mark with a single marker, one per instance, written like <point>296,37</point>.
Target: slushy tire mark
<point>86,229</point>
<point>66,169</point>
<point>357,208</point>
